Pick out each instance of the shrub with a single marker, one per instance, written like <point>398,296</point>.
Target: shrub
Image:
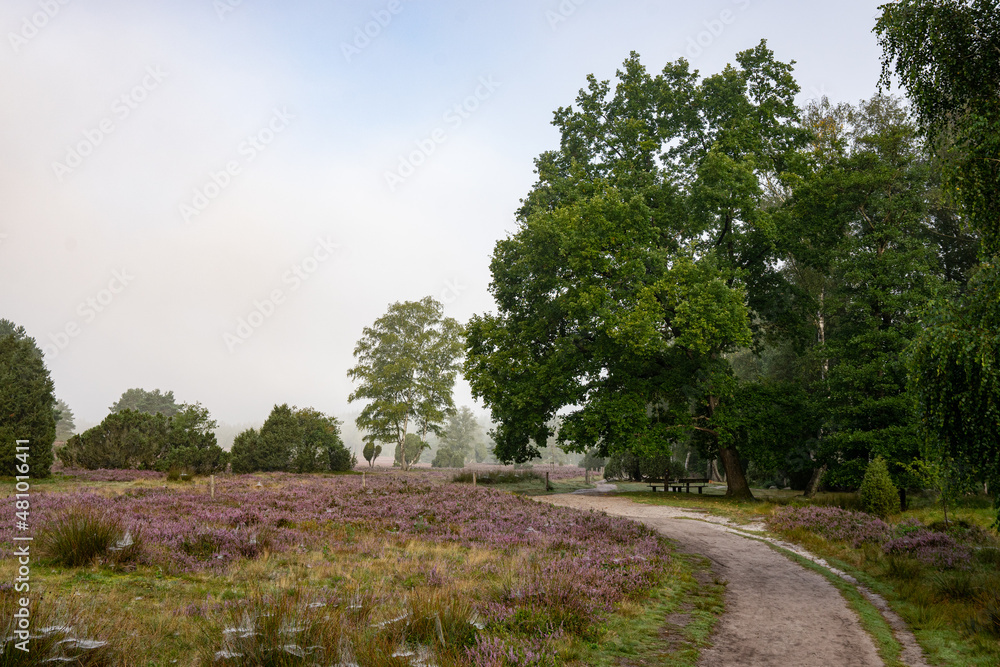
<point>930,548</point>
<point>81,536</point>
<point>879,496</point>
<point>833,523</point>
<point>447,457</point>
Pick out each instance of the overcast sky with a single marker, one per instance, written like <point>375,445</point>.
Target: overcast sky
<point>169,168</point>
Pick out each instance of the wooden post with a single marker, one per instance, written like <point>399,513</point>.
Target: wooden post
<point>211,486</point>
<point>548,487</point>
<point>363,481</point>
<point>473,478</point>
<point>586,475</point>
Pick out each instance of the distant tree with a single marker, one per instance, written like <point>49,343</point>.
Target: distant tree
<point>371,452</point>
<point>292,440</point>
<point>150,402</point>
<point>414,446</point>
<point>244,452</point>
<point>321,447</point>
<point>65,427</point>
<point>407,363</point>
<point>461,437</point>
<point>191,443</point>
<point>27,402</point>
<point>592,460</point>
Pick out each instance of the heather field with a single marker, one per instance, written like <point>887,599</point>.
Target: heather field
<point>385,569</point>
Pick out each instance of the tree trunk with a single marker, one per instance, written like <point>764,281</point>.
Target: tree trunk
<point>736,482</point>
<point>813,486</point>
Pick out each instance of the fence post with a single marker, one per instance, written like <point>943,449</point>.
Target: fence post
<point>363,481</point>
<point>211,486</point>
<point>548,487</point>
<point>473,478</point>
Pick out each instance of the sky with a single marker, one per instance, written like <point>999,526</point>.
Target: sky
<point>215,197</point>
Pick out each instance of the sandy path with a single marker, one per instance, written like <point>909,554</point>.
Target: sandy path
<point>777,612</point>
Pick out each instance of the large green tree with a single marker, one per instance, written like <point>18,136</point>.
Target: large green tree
<point>627,279</point>
<point>407,364</point>
<point>27,402</point>
<point>946,54</point>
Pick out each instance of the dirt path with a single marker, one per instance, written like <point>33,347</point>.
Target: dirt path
<point>777,612</point>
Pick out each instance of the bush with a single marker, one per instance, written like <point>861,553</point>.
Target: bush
<point>879,496</point>
<point>449,457</point>
<point>82,536</point>
<point>629,467</point>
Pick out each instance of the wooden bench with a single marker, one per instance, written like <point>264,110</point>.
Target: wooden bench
<point>687,482</point>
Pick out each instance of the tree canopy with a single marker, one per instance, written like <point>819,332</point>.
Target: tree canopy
<point>407,362</point>
<point>27,402</point>
<point>639,255</point>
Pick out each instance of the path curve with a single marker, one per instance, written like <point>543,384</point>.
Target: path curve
<point>778,613</point>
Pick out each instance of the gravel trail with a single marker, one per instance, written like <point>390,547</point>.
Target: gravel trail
<point>778,613</point>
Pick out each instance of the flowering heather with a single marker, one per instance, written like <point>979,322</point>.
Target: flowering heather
<point>586,559</point>
<point>833,523</point>
<point>909,537</point>
<point>931,548</point>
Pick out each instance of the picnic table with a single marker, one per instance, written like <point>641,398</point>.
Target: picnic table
<point>677,484</point>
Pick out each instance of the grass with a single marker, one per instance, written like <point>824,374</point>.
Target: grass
<point>377,596</point>
<point>955,615</point>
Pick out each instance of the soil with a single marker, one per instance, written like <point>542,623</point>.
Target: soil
<point>777,612</point>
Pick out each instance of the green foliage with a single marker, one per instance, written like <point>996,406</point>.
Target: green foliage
<point>371,451</point>
<point>626,466</point>
<point>945,55</point>
<point>414,446</point>
<point>125,439</point>
<point>243,455</point>
<point>592,460</point>
<point>879,496</point>
<point>27,403</point>
<point>637,253</point>
<point>461,438</point>
<point>140,440</point>
<point>407,363</point>
<point>292,440</point>
<point>65,427</point>
<point>81,536</point>
<point>150,402</point>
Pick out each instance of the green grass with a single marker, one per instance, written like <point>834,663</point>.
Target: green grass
<point>640,636</point>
